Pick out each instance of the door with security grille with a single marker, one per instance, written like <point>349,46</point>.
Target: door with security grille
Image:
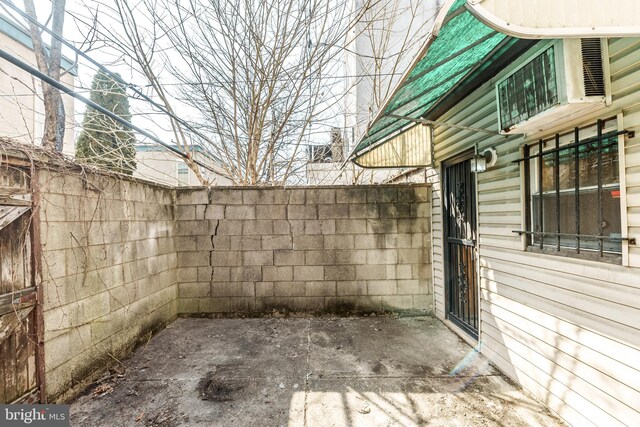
<point>460,239</point>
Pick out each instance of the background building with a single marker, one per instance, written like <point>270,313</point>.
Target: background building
<point>157,164</point>
<point>378,50</point>
<point>21,104</point>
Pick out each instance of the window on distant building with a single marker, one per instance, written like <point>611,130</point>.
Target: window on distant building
<point>573,191</point>
<point>183,169</point>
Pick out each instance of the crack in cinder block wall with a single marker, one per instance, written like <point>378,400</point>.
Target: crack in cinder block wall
<point>305,250</point>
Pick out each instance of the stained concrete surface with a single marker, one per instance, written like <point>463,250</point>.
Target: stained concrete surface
<point>371,371</point>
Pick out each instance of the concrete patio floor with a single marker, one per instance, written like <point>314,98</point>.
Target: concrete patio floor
<point>372,371</point>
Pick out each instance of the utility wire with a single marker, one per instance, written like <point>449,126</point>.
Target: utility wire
<point>114,76</point>
<point>221,82</point>
<point>56,84</point>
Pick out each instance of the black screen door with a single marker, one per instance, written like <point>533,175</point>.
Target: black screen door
<point>460,235</point>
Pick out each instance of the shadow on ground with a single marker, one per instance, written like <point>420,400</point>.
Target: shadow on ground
<point>373,371</point>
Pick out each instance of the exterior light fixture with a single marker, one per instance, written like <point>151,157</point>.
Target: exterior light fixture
<point>480,162</point>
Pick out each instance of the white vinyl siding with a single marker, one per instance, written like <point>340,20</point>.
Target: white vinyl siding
<point>625,76</point>
<point>567,329</point>
<point>436,243</point>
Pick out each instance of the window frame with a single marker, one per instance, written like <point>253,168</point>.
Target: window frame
<point>559,89</point>
<point>529,189</point>
<point>182,169</point>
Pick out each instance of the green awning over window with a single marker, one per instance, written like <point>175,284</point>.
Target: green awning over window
<point>457,51</point>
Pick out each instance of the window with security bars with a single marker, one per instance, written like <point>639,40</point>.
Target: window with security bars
<point>529,91</point>
<point>573,191</point>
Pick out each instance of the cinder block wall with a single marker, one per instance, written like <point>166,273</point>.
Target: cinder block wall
<point>121,258</point>
<point>108,271</point>
<point>318,250</point>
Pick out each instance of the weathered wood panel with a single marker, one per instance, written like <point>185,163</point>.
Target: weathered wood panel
<point>17,294</point>
<point>15,255</point>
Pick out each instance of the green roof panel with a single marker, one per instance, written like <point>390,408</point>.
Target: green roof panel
<point>460,46</point>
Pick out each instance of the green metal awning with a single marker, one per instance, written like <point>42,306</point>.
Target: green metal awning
<point>459,48</point>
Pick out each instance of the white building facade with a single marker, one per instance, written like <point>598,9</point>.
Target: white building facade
<point>156,163</point>
<point>21,104</point>
<point>378,50</point>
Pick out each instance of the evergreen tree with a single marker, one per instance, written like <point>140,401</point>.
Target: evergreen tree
<point>103,141</point>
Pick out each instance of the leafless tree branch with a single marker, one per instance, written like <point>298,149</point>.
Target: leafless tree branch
<point>48,61</point>
<point>251,71</point>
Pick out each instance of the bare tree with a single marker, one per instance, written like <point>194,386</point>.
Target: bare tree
<point>252,73</point>
<point>48,61</point>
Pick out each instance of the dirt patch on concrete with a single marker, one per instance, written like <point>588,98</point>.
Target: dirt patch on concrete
<point>217,389</point>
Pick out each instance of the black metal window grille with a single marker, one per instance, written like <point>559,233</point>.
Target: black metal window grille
<point>529,91</point>
<point>573,190</point>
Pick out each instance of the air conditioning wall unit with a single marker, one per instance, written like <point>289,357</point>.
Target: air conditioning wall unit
<point>559,82</point>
